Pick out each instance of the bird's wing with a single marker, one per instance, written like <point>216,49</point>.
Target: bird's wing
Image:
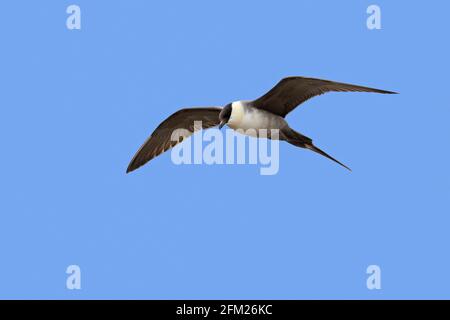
<point>292,91</point>
<point>160,140</point>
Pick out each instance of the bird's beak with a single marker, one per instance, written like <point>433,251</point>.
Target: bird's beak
<point>222,123</point>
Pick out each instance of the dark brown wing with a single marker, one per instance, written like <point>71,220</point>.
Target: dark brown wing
<point>160,140</point>
<point>292,91</point>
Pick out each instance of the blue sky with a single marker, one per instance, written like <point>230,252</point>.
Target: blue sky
<point>76,104</point>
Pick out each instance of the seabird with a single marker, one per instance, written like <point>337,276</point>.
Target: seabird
<point>267,112</point>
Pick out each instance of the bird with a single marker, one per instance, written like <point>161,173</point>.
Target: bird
<point>266,112</point>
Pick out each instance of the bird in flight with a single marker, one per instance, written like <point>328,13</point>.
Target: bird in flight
<point>267,112</point>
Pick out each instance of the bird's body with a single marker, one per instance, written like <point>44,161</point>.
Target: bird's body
<point>250,120</point>
<point>255,118</point>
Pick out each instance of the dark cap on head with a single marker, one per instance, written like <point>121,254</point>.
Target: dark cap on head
<point>224,115</point>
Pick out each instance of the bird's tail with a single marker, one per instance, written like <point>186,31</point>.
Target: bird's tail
<point>297,139</point>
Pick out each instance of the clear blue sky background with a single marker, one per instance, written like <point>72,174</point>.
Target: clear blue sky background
<point>75,106</point>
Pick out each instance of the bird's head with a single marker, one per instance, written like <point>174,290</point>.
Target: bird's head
<point>224,115</point>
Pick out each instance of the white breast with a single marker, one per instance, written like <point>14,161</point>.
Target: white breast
<point>244,118</point>
<point>237,115</point>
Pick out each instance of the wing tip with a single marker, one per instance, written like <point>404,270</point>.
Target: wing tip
<point>133,166</point>
<point>138,162</point>
<point>130,169</point>
<point>389,92</point>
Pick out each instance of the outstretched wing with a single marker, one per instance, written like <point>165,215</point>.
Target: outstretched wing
<point>160,140</point>
<point>292,91</point>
